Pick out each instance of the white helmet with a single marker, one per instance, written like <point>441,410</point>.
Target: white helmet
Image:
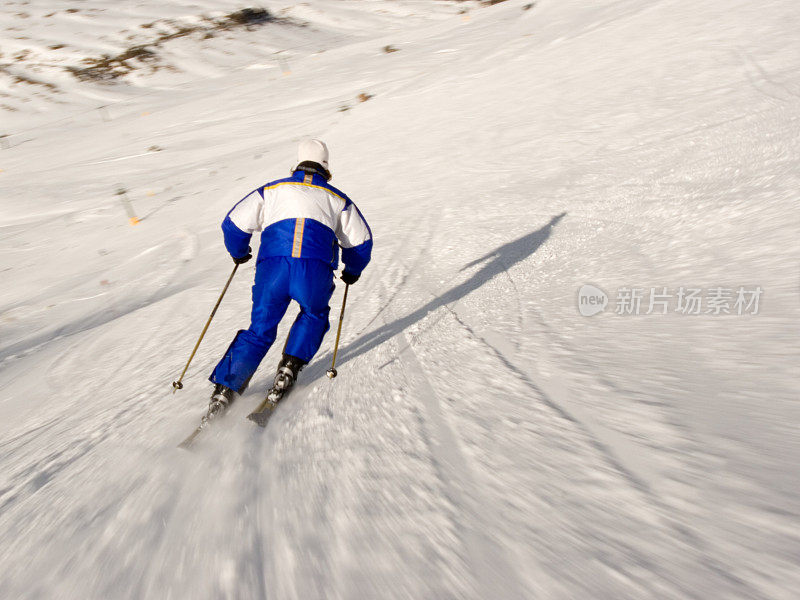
<point>312,150</point>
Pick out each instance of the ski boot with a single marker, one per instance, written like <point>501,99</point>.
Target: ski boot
<point>221,400</point>
<point>288,369</point>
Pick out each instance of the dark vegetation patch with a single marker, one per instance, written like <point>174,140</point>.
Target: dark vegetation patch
<point>22,78</point>
<point>107,68</point>
<point>362,97</point>
<point>484,3</point>
<point>249,16</point>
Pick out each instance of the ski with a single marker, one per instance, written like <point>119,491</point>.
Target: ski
<point>215,410</point>
<point>284,380</point>
<point>187,443</point>
<point>262,413</point>
<point>204,424</point>
<point>260,416</point>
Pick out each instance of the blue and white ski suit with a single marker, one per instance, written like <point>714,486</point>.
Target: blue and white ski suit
<point>304,221</point>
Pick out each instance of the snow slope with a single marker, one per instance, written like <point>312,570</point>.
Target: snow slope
<point>483,439</point>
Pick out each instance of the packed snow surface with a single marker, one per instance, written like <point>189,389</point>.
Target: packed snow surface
<point>484,439</point>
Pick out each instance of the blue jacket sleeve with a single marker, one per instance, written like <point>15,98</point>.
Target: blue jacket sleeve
<point>355,259</point>
<point>237,242</point>
<point>240,223</point>
<point>355,238</point>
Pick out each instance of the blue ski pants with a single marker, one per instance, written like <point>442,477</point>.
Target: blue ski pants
<point>279,280</point>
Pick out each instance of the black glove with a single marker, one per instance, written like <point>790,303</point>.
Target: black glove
<point>244,259</point>
<point>349,278</point>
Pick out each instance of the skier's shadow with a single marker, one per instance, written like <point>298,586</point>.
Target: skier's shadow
<point>497,261</point>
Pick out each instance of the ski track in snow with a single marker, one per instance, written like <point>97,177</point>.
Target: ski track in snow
<point>495,577</point>
<point>482,439</point>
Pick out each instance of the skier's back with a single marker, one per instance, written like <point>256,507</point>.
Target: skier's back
<point>304,221</point>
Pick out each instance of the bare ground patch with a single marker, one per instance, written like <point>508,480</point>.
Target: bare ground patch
<point>107,67</point>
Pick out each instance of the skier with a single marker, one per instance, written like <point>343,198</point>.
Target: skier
<point>304,221</point>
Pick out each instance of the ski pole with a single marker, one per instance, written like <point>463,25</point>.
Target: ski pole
<point>331,373</point>
<point>177,385</point>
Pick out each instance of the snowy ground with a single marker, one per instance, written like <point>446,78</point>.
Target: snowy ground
<point>483,439</point>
